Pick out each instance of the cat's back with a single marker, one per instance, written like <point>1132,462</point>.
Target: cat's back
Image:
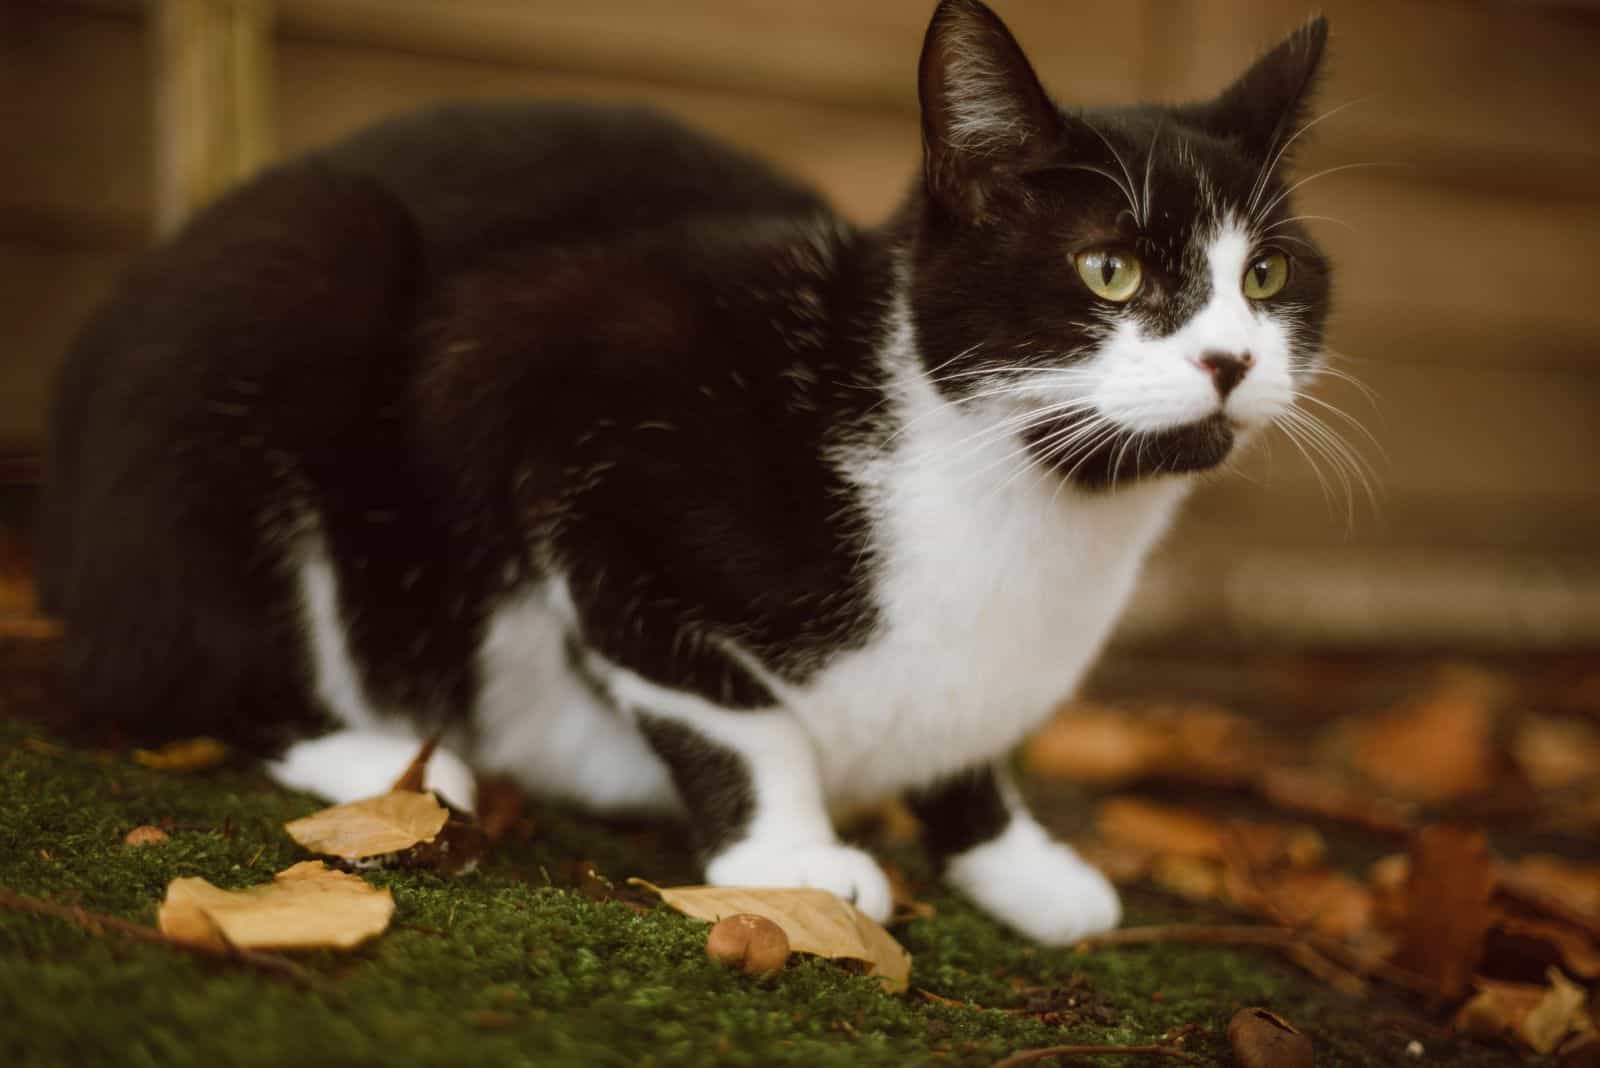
<point>484,175</point>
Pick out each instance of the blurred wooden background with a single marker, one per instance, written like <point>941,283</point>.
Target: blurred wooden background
<point>1466,297</point>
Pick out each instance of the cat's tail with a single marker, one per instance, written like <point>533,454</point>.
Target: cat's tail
<point>176,472</point>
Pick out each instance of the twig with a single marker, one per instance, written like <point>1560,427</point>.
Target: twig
<point>96,922</point>
<point>1028,1056</point>
<point>411,777</point>
<point>939,999</point>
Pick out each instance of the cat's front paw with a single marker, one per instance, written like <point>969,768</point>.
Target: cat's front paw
<point>1036,885</point>
<point>847,872</point>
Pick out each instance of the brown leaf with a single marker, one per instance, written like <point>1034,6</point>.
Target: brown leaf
<point>411,780</point>
<point>308,906</point>
<point>1191,878</point>
<point>1539,1017</point>
<point>1304,790</point>
<point>191,754</point>
<point>1262,1039</point>
<point>1516,942</point>
<point>501,805</point>
<point>1556,754</point>
<point>815,921</point>
<point>1159,828</point>
<point>1573,883</point>
<point>373,827</point>
<point>1447,906</point>
<point>1100,745</point>
<point>1328,902</point>
<point>1434,750</point>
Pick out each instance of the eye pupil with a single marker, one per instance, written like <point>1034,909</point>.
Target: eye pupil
<point>1108,269</point>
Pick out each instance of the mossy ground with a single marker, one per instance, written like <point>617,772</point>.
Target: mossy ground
<point>512,966</point>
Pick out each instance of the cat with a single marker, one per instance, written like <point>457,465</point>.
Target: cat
<point>626,463</point>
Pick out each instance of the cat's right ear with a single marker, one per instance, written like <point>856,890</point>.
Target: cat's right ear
<point>983,109</point>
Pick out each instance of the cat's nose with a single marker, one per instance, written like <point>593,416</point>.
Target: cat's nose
<point>1227,369</point>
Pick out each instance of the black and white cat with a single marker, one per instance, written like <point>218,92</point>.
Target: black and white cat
<point>657,485</point>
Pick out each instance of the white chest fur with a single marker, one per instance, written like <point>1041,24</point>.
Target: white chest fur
<point>997,585</point>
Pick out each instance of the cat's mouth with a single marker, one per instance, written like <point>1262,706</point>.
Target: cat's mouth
<point>1112,456</point>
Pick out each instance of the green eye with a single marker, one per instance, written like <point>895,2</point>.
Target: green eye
<point>1110,273</point>
<point>1266,275</point>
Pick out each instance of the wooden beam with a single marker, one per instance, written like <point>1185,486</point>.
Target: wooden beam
<point>213,100</point>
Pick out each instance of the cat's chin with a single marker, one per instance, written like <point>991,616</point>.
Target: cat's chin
<point>1131,455</point>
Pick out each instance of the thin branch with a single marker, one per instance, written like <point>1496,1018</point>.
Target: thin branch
<point>96,922</point>
<point>1028,1056</point>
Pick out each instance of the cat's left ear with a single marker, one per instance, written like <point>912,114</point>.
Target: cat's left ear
<point>984,112</point>
<point>1268,104</point>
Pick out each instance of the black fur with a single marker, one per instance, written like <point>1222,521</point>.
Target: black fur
<point>960,812</point>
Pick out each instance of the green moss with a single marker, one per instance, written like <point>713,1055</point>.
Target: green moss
<point>506,966</point>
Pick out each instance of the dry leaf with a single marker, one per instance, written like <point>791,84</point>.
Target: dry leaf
<point>1315,792</point>
<point>374,827</point>
<point>1191,878</point>
<point>1100,745</point>
<point>1539,1017</point>
<point>816,921</point>
<point>1159,828</point>
<point>1325,901</point>
<point>1447,906</point>
<point>1518,943</point>
<point>1434,750</point>
<point>191,754</point>
<point>412,778</point>
<point>308,906</point>
<point>1557,753</point>
<point>1573,883</point>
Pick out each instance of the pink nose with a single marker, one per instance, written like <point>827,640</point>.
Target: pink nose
<point>1227,369</point>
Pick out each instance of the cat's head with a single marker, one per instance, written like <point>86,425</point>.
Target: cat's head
<point>1128,287</point>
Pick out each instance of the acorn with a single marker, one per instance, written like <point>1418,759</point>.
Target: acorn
<point>753,944</point>
<point>1262,1039</point>
<point>146,835</point>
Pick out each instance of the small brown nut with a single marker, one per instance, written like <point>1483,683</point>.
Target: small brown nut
<point>146,835</point>
<point>753,944</point>
<point>1261,1039</point>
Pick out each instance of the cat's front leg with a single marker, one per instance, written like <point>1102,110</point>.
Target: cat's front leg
<point>748,778</point>
<point>994,851</point>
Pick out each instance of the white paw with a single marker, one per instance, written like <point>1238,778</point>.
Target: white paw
<point>1036,885</point>
<point>847,872</point>
<point>352,764</point>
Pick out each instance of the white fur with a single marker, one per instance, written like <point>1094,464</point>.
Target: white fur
<point>349,765</point>
<point>1037,885</point>
<point>1148,383</point>
<point>335,676</point>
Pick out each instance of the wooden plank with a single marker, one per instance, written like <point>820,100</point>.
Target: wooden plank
<point>1488,93</point>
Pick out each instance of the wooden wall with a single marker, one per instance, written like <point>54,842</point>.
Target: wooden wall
<point>1466,298</point>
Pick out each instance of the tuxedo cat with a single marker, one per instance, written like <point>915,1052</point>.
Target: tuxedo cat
<point>626,463</point>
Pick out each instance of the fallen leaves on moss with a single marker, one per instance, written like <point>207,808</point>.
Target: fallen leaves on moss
<point>373,827</point>
<point>815,921</point>
<point>307,906</point>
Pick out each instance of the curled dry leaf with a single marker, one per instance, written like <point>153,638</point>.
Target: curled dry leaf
<point>1100,745</point>
<point>308,906</point>
<point>1539,1017</point>
<point>815,921</point>
<point>1262,1039</point>
<point>1434,750</point>
<point>1160,829</point>
<point>190,754</point>
<point>1574,884</point>
<point>373,827</point>
<point>1447,906</point>
<point>1556,754</point>
<point>1518,944</point>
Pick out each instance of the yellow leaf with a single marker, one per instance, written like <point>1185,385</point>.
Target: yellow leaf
<point>371,827</point>
<point>309,906</point>
<point>816,921</point>
<point>191,754</point>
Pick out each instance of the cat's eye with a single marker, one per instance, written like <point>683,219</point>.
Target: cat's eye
<point>1266,275</point>
<point>1110,273</point>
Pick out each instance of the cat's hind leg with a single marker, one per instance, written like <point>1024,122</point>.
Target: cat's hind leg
<point>994,851</point>
<point>748,777</point>
<point>352,764</point>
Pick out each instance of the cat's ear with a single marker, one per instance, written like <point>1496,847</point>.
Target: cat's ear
<point>983,109</point>
<point>1269,102</point>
